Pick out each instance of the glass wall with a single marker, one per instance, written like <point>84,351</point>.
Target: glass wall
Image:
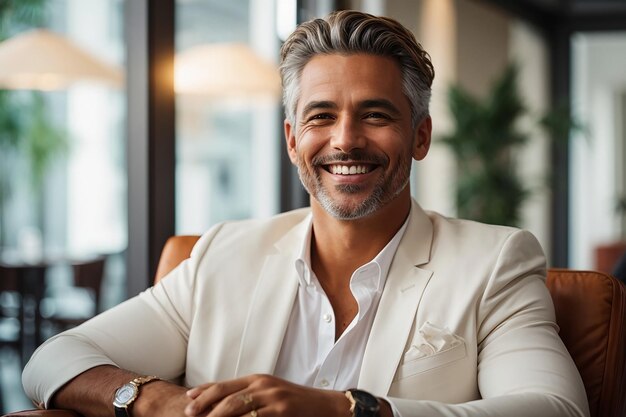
<point>228,124</point>
<point>62,167</point>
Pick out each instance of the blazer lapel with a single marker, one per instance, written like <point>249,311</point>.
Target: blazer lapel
<point>271,306</point>
<point>396,312</point>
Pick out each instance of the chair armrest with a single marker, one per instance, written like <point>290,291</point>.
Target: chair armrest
<point>43,413</point>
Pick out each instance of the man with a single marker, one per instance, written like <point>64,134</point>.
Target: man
<point>427,316</point>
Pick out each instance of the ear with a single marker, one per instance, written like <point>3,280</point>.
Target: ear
<point>422,138</point>
<point>290,138</point>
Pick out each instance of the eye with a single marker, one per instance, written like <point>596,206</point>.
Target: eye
<point>320,118</point>
<point>377,115</point>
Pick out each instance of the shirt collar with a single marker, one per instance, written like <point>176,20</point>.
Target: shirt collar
<point>382,261</point>
<point>303,263</point>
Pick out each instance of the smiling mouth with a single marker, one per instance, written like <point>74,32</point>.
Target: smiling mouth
<point>355,169</point>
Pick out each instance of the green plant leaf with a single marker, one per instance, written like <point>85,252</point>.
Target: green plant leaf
<point>42,142</point>
<point>484,139</point>
<point>17,15</point>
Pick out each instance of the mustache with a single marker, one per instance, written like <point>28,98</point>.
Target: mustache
<point>352,156</point>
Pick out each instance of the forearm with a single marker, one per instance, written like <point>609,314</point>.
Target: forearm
<point>91,394</point>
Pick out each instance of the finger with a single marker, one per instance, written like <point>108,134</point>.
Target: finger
<point>213,394</point>
<point>242,403</point>
<point>197,390</point>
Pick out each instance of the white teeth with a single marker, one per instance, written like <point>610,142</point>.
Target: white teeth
<point>351,170</point>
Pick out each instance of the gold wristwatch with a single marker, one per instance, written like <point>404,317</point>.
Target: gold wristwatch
<point>126,395</point>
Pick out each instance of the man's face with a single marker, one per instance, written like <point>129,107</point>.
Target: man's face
<point>353,141</point>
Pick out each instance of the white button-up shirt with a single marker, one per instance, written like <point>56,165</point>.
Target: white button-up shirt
<point>309,354</point>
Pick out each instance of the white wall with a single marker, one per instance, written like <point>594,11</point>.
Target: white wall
<point>529,50</point>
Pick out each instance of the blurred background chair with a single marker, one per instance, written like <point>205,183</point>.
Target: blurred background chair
<point>10,303</point>
<point>10,325</point>
<point>590,311</point>
<point>608,256</point>
<point>80,302</point>
<point>619,271</point>
<point>21,291</point>
<point>23,286</point>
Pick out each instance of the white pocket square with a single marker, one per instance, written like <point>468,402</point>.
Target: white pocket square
<point>431,340</point>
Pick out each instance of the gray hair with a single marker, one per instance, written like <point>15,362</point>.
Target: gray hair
<point>352,32</point>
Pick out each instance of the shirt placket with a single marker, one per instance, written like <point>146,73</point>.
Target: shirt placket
<point>327,368</point>
<point>330,354</point>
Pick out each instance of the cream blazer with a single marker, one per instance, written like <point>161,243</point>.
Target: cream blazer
<point>465,325</point>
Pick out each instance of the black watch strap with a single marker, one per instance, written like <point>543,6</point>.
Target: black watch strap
<point>362,403</point>
<point>121,412</point>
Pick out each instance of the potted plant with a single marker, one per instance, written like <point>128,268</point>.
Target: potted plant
<point>484,139</point>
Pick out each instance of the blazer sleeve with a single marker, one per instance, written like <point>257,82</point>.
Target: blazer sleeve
<point>524,370</point>
<point>146,334</point>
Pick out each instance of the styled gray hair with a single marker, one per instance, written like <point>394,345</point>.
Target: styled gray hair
<point>352,32</point>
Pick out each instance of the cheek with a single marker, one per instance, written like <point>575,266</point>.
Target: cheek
<point>309,143</point>
<point>394,144</point>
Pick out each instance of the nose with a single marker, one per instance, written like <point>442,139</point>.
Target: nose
<point>347,135</point>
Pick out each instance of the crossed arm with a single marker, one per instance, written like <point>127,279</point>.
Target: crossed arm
<point>91,393</point>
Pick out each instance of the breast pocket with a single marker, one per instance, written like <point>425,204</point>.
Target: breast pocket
<point>416,366</point>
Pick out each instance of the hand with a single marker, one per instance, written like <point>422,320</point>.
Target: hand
<point>264,396</point>
<point>91,392</point>
<point>160,399</point>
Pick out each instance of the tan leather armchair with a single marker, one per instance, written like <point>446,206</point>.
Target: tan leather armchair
<point>590,310</point>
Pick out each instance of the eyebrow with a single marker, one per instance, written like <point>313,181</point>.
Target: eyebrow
<point>317,105</point>
<point>380,103</point>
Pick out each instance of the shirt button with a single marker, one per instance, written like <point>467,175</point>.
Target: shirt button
<point>324,383</point>
<point>327,318</point>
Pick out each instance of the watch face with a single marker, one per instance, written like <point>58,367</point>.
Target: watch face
<point>125,394</point>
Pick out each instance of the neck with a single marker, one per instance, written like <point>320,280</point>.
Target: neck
<point>344,245</point>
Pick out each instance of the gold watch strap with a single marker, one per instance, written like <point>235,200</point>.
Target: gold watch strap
<point>140,380</point>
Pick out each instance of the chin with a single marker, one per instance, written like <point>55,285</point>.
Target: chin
<point>348,211</point>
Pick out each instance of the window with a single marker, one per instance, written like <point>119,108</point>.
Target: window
<point>228,136</point>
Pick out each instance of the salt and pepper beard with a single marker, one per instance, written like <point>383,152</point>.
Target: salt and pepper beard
<point>385,189</point>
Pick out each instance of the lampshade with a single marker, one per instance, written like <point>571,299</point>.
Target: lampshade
<point>225,70</point>
<point>43,60</point>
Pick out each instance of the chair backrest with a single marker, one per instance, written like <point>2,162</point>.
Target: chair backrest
<point>176,250</point>
<point>8,279</point>
<point>590,311</point>
<point>89,274</point>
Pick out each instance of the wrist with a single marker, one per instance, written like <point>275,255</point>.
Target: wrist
<point>363,403</point>
<point>160,398</point>
<point>126,395</point>
<point>341,405</point>
<point>385,408</point>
